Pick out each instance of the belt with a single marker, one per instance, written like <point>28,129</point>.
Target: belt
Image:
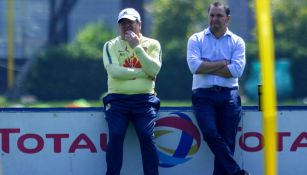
<point>215,88</point>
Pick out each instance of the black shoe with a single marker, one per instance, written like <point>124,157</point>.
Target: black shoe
<point>242,172</point>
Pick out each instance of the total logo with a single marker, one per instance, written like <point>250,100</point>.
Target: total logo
<point>178,139</point>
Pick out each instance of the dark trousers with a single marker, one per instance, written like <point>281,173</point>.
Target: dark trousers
<point>218,112</point>
<point>141,110</point>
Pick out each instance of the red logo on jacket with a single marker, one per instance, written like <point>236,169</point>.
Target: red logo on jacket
<point>132,62</point>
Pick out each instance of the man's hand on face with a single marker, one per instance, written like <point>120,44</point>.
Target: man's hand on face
<point>132,39</point>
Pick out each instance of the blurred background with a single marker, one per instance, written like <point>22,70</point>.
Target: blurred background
<point>51,50</point>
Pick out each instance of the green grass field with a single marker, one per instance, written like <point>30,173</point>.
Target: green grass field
<point>97,103</point>
<point>74,103</point>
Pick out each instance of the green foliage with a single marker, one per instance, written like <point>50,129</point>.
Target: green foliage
<point>91,39</point>
<point>174,80</point>
<point>290,24</point>
<point>252,50</point>
<point>72,71</point>
<point>60,75</point>
<point>174,21</point>
<point>290,38</point>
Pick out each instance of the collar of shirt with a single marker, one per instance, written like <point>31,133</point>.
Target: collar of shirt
<point>208,32</point>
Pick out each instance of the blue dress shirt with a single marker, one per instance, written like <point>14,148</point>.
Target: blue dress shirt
<point>204,46</point>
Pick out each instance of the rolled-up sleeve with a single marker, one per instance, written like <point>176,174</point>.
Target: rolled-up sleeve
<point>193,54</point>
<point>238,59</point>
<point>151,61</point>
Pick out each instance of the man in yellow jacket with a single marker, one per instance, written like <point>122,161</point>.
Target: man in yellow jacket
<point>132,62</point>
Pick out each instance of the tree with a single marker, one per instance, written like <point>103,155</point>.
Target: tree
<point>290,24</point>
<point>174,21</point>
<point>74,70</point>
<point>289,27</point>
<point>290,37</point>
<point>59,21</point>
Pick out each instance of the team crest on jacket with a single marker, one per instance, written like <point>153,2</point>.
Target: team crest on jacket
<point>132,62</point>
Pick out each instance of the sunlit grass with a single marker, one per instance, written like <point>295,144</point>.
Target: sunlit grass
<point>166,103</point>
<point>4,103</point>
<point>80,103</point>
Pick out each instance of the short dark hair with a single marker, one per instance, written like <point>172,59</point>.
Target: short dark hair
<point>217,4</point>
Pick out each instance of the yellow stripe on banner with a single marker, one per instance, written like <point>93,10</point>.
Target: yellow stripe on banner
<point>10,41</point>
<point>266,43</point>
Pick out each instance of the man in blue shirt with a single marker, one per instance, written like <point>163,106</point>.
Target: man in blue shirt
<point>216,58</point>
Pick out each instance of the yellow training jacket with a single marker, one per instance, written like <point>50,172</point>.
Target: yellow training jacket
<point>132,71</point>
